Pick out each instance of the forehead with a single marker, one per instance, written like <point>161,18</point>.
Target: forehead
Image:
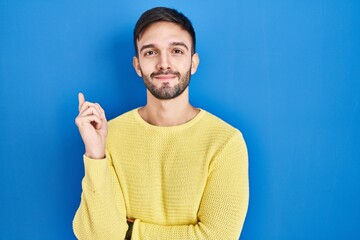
<point>164,33</point>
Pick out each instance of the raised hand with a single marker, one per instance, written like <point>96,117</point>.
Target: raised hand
<point>92,125</point>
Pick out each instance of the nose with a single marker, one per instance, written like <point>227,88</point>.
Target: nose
<point>164,62</point>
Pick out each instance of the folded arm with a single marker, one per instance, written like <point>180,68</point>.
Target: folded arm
<point>224,203</point>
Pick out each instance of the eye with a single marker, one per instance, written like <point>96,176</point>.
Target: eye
<point>149,53</point>
<point>178,51</point>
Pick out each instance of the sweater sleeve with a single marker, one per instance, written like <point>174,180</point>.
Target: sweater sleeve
<point>101,214</point>
<point>224,202</point>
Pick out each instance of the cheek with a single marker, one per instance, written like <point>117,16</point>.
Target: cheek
<point>183,65</point>
<point>187,67</point>
<point>146,67</point>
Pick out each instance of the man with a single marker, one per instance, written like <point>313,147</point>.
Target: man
<point>167,170</point>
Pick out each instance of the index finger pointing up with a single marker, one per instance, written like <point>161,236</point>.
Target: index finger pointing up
<point>81,100</point>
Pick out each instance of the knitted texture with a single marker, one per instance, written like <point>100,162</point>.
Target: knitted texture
<point>183,182</point>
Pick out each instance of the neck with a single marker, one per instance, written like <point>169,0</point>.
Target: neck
<point>170,112</point>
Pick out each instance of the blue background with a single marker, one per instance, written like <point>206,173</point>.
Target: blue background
<point>286,73</point>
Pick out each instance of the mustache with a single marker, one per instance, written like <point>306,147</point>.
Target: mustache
<point>167,72</point>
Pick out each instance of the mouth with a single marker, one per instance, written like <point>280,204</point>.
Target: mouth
<point>166,77</point>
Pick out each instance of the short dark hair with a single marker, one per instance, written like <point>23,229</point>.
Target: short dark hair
<point>163,14</point>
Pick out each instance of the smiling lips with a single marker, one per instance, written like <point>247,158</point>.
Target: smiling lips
<point>166,77</point>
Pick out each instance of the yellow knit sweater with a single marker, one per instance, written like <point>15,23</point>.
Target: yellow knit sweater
<point>182,182</point>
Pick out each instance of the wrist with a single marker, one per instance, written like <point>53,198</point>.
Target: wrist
<point>94,155</point>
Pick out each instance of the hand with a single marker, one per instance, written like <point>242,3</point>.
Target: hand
<point>92,125</point>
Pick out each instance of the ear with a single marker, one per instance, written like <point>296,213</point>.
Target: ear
<point>136,65</point>
<point>194,63</point>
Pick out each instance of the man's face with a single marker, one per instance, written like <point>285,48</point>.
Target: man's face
<point>164,59</point>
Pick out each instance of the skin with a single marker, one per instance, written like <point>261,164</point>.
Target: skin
<point>92,125</point>
<point>166,46</point>
<point>163,47</point>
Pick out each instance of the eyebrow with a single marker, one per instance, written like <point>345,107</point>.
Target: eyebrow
<point>171,44</point>
<point>147,46</point>
<point>179,44</point>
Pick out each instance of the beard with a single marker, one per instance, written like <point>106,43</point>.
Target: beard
<point>165,91</point>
